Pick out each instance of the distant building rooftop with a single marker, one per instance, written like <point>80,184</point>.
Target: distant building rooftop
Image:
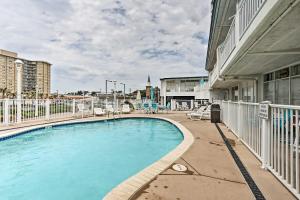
<point>184,77</point>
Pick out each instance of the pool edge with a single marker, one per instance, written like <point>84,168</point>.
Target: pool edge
<point>133,184</point>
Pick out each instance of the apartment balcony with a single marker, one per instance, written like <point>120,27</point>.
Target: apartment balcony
<point>262,37</point>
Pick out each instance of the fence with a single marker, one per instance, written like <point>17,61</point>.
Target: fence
<point>228,45</point>
<point>247,10</point>
<point>274,141</point>
<point>14,111</point>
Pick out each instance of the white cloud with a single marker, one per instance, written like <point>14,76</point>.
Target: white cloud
<point>88,41</point>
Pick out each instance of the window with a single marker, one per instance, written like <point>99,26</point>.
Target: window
<point>295,90</point>
<point>283,73</point>
<point>296,70</point>
<point>282,91</point>
<point>171,86</point>
<point>235,93</point>
<point>187,85</point>
<point>282,86</point>
<point>268,77</point>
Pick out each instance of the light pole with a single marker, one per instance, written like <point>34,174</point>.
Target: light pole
<point>124,85</point>
<point>115,95</point>
<point>106,81</point>
<point>19,65</point>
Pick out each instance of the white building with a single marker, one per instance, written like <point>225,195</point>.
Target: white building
<point>254,50</point>
<point>184,88</point>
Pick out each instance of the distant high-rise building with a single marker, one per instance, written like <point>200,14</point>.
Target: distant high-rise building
<point>148,88</point>
<point>34,73</point>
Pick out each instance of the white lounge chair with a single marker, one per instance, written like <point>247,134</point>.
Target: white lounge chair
<point>199,110</point>
<point>82,109</point>
<point>126,109</point>
<point>205,114</point>
<point>99,112</point>
<point>109,108</point>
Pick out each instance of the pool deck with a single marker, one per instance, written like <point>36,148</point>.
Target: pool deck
<point>212,173</point>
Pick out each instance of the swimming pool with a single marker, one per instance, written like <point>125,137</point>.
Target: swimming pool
<point>81,161</point>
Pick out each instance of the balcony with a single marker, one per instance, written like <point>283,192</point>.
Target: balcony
<point>246,12</point>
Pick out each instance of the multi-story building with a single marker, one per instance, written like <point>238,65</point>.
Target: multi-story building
<point>34,73</point>
<point>254,50</point>
<point>184,88</point>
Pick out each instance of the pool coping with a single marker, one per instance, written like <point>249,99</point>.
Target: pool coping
<point>133,184</point>
<point>129,187</point>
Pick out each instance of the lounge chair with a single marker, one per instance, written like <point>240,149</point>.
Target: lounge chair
<point>82,109</point>
<point>146,107</point>
<point>199,110</point>
<point>109,109</point>
<point>185,106</point>
<point>126,109</point>
<point>205,114</point>
<point>99,112</point>
<point>154,108</point>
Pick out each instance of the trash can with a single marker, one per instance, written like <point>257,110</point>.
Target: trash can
<point>215,113</point>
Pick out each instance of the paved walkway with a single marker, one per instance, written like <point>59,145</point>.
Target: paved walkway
<point>212,173</point>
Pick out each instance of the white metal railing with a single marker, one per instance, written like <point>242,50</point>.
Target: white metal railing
<point>284,145</point>
<point>228,45</point>
<point>14,111</point>
<point>276,144</point>
<point>247,10</point>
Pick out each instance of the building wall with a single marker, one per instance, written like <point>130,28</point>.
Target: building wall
<point>7,73</point>
<point>33,73</point>
<point>43,75</point>
<point>183,88</point>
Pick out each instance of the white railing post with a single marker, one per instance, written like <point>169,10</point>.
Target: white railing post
<point>240,119</point>
<point>264,114</point>
<point>237,24</point>
<point>36,112</point>
<point>74,107</point>
<point>19,110</point>
<point>6,112</point>
<point>192,104</point>
<point>47,109</point>
<point>92,106</point>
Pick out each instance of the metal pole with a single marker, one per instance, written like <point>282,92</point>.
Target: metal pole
<point>124,89</point>
<point>19,64</point>
<point>115,95</point>
<point>105,94</point>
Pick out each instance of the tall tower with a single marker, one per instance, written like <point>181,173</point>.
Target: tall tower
<point>148,88</point>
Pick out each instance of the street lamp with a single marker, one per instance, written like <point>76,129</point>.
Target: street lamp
<point>124,90</point>
<point>106,81</point>
<point>19,65</point>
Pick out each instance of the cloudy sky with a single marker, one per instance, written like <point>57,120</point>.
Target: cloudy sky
<point>88,41</point>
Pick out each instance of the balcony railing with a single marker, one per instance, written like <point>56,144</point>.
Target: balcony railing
<point>246,12</point>
<point>228,45</point>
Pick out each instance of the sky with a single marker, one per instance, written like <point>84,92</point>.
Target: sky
<point>89,41</point>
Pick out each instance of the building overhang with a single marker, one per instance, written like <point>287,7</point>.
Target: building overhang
<point>221,17</point>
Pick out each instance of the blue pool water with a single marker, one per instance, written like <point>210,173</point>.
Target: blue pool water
<point>81,161</point>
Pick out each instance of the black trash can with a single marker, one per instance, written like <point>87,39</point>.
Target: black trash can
<point>215,113</point>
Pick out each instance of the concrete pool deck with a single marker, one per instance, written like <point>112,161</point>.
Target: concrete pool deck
<point>212,173</point>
